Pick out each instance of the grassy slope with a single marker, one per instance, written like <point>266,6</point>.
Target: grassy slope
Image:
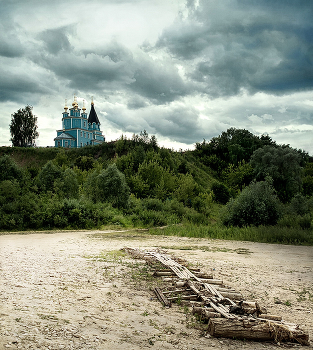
<point>37,157</point>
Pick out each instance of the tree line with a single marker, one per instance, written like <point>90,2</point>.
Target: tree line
<point>235,179</point>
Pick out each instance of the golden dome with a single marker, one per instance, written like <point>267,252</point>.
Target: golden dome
<point>75,104</point>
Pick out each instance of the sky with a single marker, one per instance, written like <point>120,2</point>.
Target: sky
<point>183,70</point>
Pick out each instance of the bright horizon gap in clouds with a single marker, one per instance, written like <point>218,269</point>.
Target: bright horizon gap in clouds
<point>183,71</point>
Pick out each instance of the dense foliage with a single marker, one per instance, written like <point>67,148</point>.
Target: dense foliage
<point>256,205</point>
<point>236,179</point>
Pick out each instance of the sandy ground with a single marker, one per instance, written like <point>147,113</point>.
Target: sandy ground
<point>67,291</point>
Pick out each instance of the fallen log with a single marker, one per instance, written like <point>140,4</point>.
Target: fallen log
<point>253,329</point>
<point>232,296</point>
<point>205,313</point>
<point>199,310</point>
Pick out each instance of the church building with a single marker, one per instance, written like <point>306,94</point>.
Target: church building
<point>78,130</point>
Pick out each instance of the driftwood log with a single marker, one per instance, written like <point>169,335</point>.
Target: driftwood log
<point>253,329</point>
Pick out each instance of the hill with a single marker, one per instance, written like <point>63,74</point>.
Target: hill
<point>134,183</point>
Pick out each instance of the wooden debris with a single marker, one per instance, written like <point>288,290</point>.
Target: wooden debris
<point>227,314</point>
<point>162,298</point>
<point>270,317</point>
<point>254,329</point>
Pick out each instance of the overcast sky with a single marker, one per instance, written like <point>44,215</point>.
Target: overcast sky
<point>183,70</point>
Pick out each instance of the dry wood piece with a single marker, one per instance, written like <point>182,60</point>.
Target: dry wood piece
<point>203,275</point>
<point>163,299</point>
<point>254,329</point>
<point>205,313</point>
<point>270,317</point>
<point>199,310</point>
<point>232,296</point>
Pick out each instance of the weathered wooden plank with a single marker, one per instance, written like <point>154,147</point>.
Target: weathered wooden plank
<point>162,298</point>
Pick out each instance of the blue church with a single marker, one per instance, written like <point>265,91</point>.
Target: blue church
<point>78,129</point>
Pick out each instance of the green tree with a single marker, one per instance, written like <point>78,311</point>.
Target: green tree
<point>23,127</point>
<point>84,163</point>
<point>232,146</point>
<point>67,185</point>
<point>187,189</point>
<point>9,170</point>
<point>109,185</point>
<point>282,164</point>
<point>238,177</point>
<point>48,175</point>
<point>221,193</point>
<point>256,205</point>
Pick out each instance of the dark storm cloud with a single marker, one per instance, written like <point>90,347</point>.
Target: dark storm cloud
<point>259,46</point>
<point>111,66</point>
<point>10,46</point>
<point>158,80</point>
<point>137,102</point>
<point>18,88</point>
<point>87,70</point>
<point>56,39</point>
<point>179,123</point>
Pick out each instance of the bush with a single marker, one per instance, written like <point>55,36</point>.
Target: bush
<point>256,205</point>
<point>109,185</point>
<point>9,169</point>
<point>295,221</point>
<point>221,193</point>
<point>152,218</point>
<point>67,185</point>
<point>48,174</point>
<point>299,205</point>
<point>153,204</point>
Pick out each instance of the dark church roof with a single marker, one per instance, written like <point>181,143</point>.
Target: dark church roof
<point>93,118</point>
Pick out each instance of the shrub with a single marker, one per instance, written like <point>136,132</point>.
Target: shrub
<point>67,185</point>
<point>9,169</point>
<point>221,193</point>
<point>256,205</point>
<point>153,204</point>
<point>295,221</point>
<point>299,205</point>
<point>154,218</point>
<point>48,174</point>
<point>109,185</point>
